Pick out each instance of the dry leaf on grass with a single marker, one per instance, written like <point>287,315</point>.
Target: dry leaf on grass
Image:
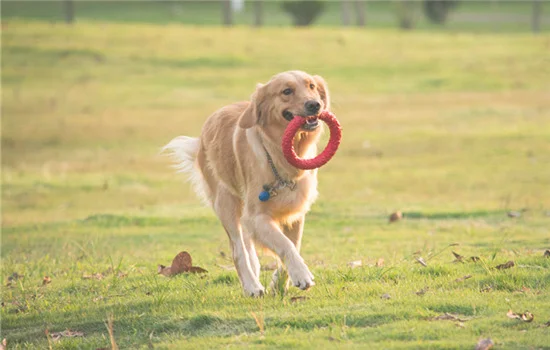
<point>422,291</point>
<point>356,263</point>
<point>181,263</point>
<point>525,317</point>
<point>421,261</point>
<point>66,334</point>
<point>486,289</point>
<point>458,257</point>
<point>380,262</point>
<point>484,344</point>
<point>96,276</point>
<point>385,296</point>
<point>46,280</point>
<point>298,299</point>
<point>449,317</point>
<point>475,258</point>
<point>547,254</point>
<point>463,278</point>
<point>547,324</point>
<point>507,265</point>
<point>395,216</point>
<point>514,214</point>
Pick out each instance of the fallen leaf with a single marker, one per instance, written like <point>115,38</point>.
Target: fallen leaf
<point>474,258</point>
<point>380,262</point>
<point>181,263</point>
<point>458,257</point>
<point>422,291</point>
<point>463,278</point>
<point>15,276</point>
<point>547,254</point>
<point>484,344</point>
<point>449,317</point>
<point>298,299</point>
<point>421,261</point>
<point>486,289</point>
<point>66,334</point>
<point>525,317</point>
<point>356,263</point>
<point>514,214</point>
<point>395,216</point>
<point>385,296</point>
<point>547,324</point>
<point>507,265</point>
<point>97,276</point>
<point>46,280</point>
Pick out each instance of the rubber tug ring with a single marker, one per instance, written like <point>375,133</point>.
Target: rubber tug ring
<point>321,159</point>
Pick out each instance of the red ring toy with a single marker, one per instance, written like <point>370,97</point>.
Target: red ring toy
<point>323,157</point>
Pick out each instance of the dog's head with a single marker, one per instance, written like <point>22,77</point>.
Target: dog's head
<point>285,96</point>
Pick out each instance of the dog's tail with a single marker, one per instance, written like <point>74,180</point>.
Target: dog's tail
<point>183,151</point>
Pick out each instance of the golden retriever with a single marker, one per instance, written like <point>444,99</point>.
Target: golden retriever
<point>238,155</point>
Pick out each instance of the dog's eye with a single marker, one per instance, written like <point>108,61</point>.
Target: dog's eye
<point>287,91</point>
<point>311,86</point>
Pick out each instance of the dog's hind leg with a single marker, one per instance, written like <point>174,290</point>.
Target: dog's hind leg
<point>228,208</point>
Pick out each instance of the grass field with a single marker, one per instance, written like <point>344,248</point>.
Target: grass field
<point>452,129</point>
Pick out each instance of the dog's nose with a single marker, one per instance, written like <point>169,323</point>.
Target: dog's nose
<point>312,106</point>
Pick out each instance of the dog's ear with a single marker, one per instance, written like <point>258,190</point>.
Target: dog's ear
<point>251,114</point>
<point>322,88</point>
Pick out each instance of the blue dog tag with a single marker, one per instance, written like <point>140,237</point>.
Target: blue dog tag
<point>264,196</point>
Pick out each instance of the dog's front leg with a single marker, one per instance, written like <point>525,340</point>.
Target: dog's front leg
<point>268,233</point>
<point>294,232</point>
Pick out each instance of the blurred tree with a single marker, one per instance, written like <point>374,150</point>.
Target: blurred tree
<point>346,12</point>
<point>437,11</point>
<point>258,13</point>
<point>227,13</point>
<point>360,12</point>
<point>68,7</point>
<point>303,12</point>
<point>405,14</point>
<point>536,14</point>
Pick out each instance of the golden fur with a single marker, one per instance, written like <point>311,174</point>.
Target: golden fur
<point>229,167</point>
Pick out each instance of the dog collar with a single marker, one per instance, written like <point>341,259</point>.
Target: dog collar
<point>270,190</point>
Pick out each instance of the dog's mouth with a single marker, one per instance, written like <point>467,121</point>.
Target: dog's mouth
<point>311,123</point>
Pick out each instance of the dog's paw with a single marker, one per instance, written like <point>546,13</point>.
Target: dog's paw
<point>255,290</point>
<point>302,277</point>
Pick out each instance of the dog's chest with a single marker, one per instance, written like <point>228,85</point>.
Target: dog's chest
<point>289,202</point>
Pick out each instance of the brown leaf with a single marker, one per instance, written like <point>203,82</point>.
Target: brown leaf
<point>421,261</point>
<point>547,254</point>
<point>458,257</point>
<point>514,214</point>
<point>474,258</point>
<point>547,324</point>
<point>395,216</point>
<point>385,296</point>
<point>422,291</point>
<point>525,317</point>
<point>66,334</point>
<point>298,299</point>
<point>196,269</point>
<point>97,276</point>
<point>46,280</point>
<point>484,344</point>
<point>380,262</point>
<point>181,263</point>
<point>507,265</point>
<point>15,276</point>
<point>486,289</point>
<point>463,278</point>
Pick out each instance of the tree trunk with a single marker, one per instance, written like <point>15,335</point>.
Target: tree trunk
<point>258,13</point>
<point>360,12</point>
<point>346,12</point>
<point>227,13</point>
<point>68,7</point>
<point>536,15</point>
<point>405,13</point>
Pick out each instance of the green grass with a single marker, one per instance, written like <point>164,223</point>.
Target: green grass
<point>452,129</point>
